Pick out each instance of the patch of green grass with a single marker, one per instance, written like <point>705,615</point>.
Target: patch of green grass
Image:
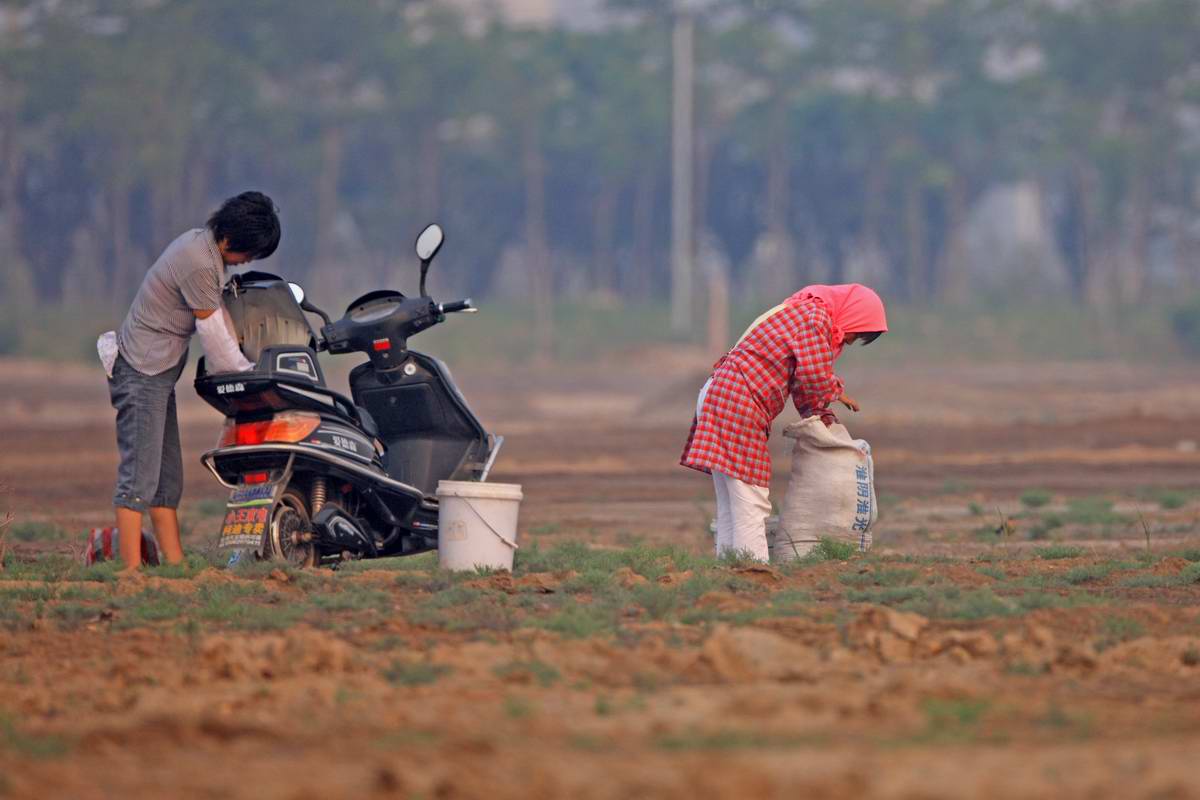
<point>1088,573</point>
<point>1148,581</point>
<point>533,670</point>
<point>420,673</point>
<point>14,739</point>
<point>984,533</point>
<point>1045,524</point>
<point>591,744</point>
<point>152,605</point>
<point>977,604</point>
<point>1024,668</point>
<point>1166,499</point>
<point>578,621</point>
<point>1092,511</point>
<point>648,561</point>
<point>1032,601</point>
<point>72,615</point>
<point>253,617</point>
<point>833,550</point>
<point>454,597</point>
<point>12,617</point>
<point>1058,551</point>
<point>1115,630</point>
<point>191,566</point>
<point>29,594</point>
<point>466,608</point>
<point>736,559</point>
<point>57,568</point>
<point>955,602</point>
<point>420,562</point>
<point>790,600</point>
<point>434,581</point>
<point>993,572</point>
<point>1190,554</point>
<point>667,602</point>
<point>388,643</point>
<point>234,605</point>
<point>590,582</point>
<point>1064,721</point>
<point>783,603</point>
<point>36,532</point>
<point>1189,574</point>
<point>1170,501</point>
<point>911,558</point>
<point>890,596</point>
<point>77,591</point>
<point>659,602</point>
<point>951,721</point>
<point>1036,498</point>
<point>351,598</point>
<point>518,707</point>
<point>880,577</point>
<point>1039,581</point>
<point>953,713</point>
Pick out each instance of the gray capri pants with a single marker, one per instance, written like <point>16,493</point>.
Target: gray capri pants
<point>151,470</point>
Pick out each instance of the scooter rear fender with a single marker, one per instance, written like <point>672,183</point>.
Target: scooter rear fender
<point>228,464</point>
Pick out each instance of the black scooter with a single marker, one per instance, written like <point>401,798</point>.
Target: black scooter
<point>317,477</point>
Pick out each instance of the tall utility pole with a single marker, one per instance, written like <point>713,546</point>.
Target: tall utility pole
<point>682,240</point>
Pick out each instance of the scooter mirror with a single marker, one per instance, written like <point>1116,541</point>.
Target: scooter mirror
<point>297,292</point>
<point>429,242</point>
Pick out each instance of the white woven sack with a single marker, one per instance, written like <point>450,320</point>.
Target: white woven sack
<point>831,493</point>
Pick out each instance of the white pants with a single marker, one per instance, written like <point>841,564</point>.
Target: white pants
<point>742,509</point>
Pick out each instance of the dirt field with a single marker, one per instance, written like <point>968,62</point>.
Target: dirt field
<point>1012,634</point>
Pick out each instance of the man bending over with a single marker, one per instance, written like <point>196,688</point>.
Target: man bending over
<point>180,295</point>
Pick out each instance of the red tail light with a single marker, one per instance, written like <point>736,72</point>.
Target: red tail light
<point>255,477</point>
<point>290,426</point>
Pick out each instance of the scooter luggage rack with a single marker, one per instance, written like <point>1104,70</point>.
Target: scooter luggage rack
<point>209,462</point>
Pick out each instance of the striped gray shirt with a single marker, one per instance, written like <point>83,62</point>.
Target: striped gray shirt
<point>187,277</point>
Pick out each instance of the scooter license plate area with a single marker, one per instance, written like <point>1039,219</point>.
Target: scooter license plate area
<point>247,515</point>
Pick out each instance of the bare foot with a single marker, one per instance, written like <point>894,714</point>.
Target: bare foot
<point>129,573</point>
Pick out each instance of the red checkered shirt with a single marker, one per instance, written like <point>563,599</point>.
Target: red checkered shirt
<point>789,353</point>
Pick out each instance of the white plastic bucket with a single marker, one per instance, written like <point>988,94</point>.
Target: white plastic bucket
<point>477,524</point>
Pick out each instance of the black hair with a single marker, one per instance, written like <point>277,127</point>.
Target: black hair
<point>867,338</point>
<point>249,223</point>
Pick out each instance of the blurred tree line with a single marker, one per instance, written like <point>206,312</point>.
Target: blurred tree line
<point>835,140</point>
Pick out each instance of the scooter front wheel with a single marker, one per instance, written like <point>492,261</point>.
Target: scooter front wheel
<point>289,537</point>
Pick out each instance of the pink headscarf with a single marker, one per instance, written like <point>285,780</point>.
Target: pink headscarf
<point>854,308</point>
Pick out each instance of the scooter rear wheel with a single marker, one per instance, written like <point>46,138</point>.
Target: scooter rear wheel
<point>290,525</point>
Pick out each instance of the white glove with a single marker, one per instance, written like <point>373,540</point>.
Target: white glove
<point>222,350</point>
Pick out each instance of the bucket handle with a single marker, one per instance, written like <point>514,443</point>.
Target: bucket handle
<point>483,519</point>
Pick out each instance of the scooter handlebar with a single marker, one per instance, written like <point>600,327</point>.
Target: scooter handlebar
<point>456,306</point>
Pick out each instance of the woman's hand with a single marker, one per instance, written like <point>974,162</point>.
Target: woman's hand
<point>849,402</point>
